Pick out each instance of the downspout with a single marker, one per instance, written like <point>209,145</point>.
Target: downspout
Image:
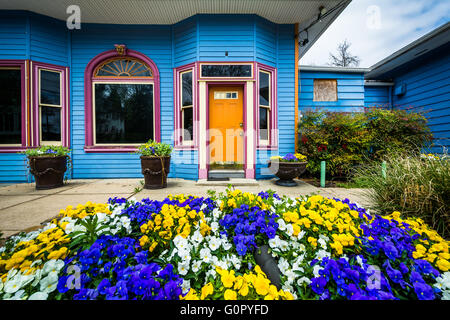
<point>390,98</point>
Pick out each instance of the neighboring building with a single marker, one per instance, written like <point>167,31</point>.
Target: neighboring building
<point>216,79</point>
<point>416,78</point>
<point>420,73</point>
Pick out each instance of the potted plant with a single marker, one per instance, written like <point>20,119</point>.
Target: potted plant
<point>287,168</point>
<point>48,164</point>
<point>155,163</point>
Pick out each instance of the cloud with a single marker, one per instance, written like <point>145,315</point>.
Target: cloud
<point>378,28</point>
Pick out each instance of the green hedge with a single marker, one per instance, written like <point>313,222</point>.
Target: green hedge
<point>347,140</point>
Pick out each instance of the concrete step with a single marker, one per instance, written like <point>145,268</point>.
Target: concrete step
<point>232,181</point>
<point>226,174</point>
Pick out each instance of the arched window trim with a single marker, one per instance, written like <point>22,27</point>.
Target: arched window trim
<point>88,80</point>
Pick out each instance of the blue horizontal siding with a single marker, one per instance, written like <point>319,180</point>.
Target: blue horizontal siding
<point>376,96</point>
<point>14,39</point>
<point>428,91</point>
<point>350,91</point>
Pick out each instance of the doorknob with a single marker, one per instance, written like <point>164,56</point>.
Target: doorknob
<point>241,125</point>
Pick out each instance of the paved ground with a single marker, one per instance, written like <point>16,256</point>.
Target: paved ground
<point>22,207</point>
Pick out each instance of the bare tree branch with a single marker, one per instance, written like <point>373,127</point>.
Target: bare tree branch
<point>343,58</point>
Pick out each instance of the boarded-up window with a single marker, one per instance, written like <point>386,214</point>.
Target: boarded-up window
<point>325,90</point>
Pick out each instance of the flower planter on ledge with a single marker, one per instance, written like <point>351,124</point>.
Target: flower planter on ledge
<point>48,171</point>
<point>155,171</point>
<point>287,171</point>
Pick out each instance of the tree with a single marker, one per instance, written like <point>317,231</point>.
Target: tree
<point>343,57</point>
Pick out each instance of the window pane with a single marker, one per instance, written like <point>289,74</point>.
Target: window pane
<point>264,80</point>
<point>50,87</point>
<point>123,67</point>
<point>188,124</point>
<point>186,79</point>
<point>10,107</point>
<point>263,124</point>
<point>227,70</point>
<point>123,113</point>
<point>50,123</point>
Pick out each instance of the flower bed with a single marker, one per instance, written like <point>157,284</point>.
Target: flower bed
<point>186,247</point>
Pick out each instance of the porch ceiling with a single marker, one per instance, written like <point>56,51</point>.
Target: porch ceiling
<point>172,11</point>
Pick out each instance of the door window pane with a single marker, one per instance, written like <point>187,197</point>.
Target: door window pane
<point>264,87</point>
<point>263,124</point>
<point>10,106</point>
<point>50,123</point>
<point>123,113</point>
<point>50,87</point>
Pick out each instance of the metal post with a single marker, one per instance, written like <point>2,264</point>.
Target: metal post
<point>383,169</point>
<point>322,174</point>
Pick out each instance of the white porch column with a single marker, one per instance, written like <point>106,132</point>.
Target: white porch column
<point>203,172</point>
<point>250,132</point>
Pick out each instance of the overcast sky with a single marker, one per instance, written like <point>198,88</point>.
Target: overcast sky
<point>377,28</point>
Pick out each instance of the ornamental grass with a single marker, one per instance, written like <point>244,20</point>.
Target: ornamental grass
<point>417,186</point>
<point>187,247</point>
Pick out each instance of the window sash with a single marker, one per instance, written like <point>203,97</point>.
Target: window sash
<point>60,88</point>
<point>183,108</point>
<point>264,142</point>
<point>269,89</point>
<point>50,142</point>
<point>94,131</point>
<point>40,105</point>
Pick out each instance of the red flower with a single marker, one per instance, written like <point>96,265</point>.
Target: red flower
<point>304,140</point>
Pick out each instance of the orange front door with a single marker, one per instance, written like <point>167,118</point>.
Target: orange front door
<point>226,127</point>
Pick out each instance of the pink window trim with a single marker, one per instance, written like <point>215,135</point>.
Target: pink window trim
<point>88,78</point>
<point>252,63</point>
<point>22,65</point>
<point>178,140</point>
<point>273,124</point>
<point>65,112</point>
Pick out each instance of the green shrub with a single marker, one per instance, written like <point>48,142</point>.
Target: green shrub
<point>416,186</point>
<point>347,140</point>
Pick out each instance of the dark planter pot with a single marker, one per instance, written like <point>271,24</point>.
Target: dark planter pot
<point>155,171</point>
<point>268,264</point>
<point>48,171</point>
<point>287,171</point>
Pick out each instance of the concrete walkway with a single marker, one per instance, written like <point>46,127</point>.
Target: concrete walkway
<point>22,207</point>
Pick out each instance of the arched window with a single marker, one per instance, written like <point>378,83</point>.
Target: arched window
<point>122,101</point>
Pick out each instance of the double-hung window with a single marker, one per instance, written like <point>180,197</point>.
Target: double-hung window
<point>50,107</point>
<point>264,107</point>
<point>187,107</point>
<point>11,106</point>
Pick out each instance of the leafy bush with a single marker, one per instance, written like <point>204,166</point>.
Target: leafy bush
<point>346,140</point>
<point>417,186</point>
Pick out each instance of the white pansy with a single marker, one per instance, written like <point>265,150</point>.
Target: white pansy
<point>38,296</point>
<point>284,246</point>
<point>303,280</point>
<point>183,268</point>
<point>316,270</point>
<point>214,226</point>
<point>301,234</point>
<point>185,286</point>
<point>281,224</point>
<point>196,266</point>
<point>13,285</point>
<point>185,255</point>
<point>53,266</point>
<point>214,243</point>
<point>322,254</point>
<point>205,255</point>
<point>289,229</point>
<point>197,237</point>
<point>277,202</point>
<point>19,295</point>
<point>49,283</point>
<point>446,295</point>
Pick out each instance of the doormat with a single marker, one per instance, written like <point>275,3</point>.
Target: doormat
<point>218,179</point>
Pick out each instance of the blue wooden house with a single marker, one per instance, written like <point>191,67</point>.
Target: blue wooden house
<point>216,79</point>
